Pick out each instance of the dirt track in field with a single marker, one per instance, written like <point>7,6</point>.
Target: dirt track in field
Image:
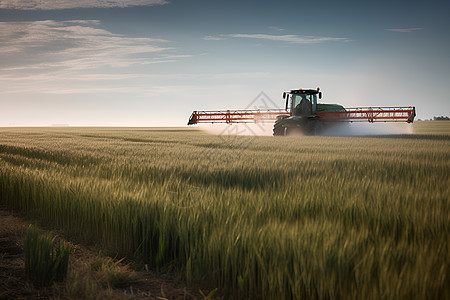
<point>14,283</point>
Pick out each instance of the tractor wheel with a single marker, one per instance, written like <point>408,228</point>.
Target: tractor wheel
<point>278,129</point>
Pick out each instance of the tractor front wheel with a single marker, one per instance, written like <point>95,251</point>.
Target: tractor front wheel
<point>278,129</point>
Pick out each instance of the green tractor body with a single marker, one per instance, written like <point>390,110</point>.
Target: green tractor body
<point>303,118</point>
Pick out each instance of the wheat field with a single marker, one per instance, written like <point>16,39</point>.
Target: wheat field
<point>256,217</point>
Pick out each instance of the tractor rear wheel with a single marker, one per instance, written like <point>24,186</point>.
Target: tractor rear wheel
<point>278,129</point>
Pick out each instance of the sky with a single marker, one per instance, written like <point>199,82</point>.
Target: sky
<point>153,62</point>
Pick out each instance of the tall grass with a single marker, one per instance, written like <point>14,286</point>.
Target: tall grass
<point>45,263</point>
<point>312,217</point>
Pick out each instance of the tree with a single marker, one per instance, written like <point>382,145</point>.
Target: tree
<point>441,118</point>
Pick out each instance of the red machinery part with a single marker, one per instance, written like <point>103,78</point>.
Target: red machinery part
<point>236,116</point>
<point>370,114</point>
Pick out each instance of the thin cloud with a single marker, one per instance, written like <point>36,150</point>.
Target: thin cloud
<point>73,82</point>
<point>73,45</point>
<point>213,38</point>
<point>70,4</point>
<point>289,38</point>
<point>404,29</point>
<point>276,28</point>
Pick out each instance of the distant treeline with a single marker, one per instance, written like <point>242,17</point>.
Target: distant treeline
<point>441,118</point>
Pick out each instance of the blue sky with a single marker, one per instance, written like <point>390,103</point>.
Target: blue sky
<point>152,62</point>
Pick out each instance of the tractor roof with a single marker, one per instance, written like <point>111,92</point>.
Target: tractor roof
<point>304,91</point>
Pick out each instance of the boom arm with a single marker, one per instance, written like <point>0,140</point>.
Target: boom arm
<point>236,116</point>
<point>370,114</point>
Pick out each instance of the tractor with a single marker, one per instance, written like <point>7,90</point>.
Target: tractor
<point>303,114</point>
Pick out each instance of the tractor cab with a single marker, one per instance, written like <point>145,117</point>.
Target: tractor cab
<point>302,102</point>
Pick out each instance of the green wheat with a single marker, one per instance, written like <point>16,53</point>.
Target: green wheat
<point>265,217</point>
